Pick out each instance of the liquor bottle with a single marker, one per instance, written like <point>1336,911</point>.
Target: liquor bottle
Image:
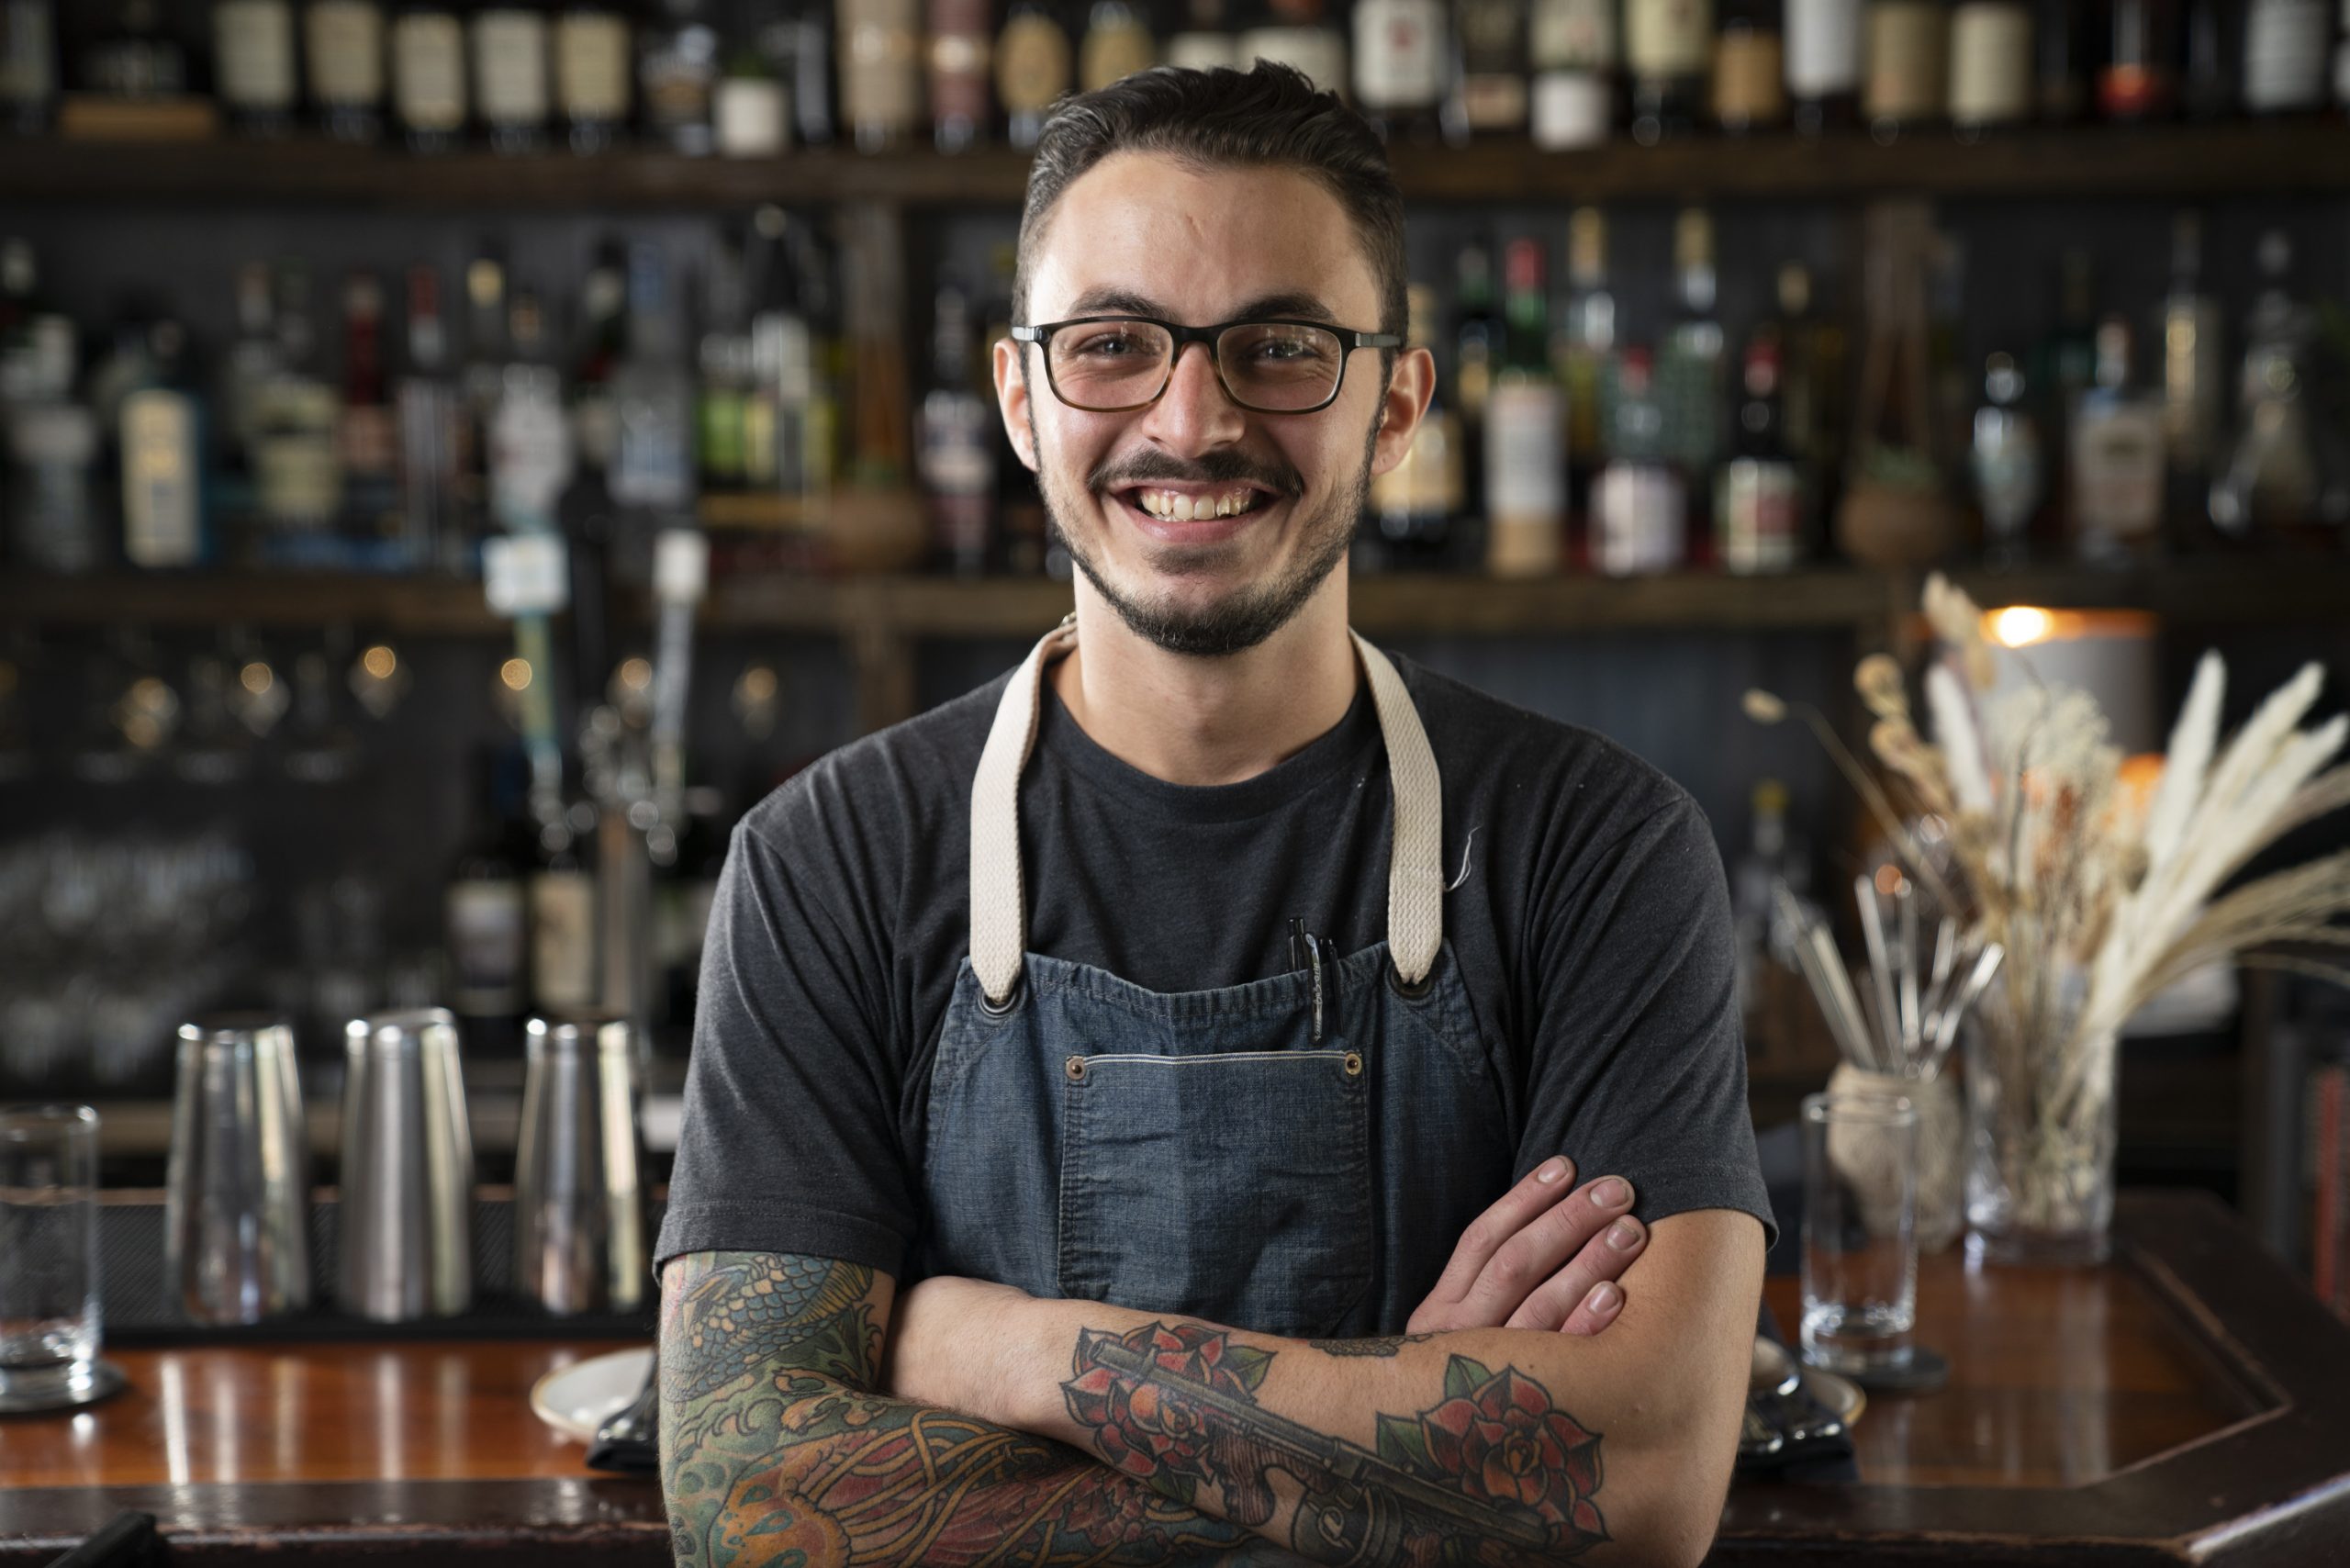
<point>2209,82</point>
<point>1573,46</point>
<point>1204,42</point>
<point>428,97</point>
<point>722,397</point>
<point>2062,66</point>
<point>253,64</point>
<point>1408,524</point>
<point>652,395</point>
<point>163,445</point>
<point>296,461</point>
<point>560,895</point>
<point>530,436</point>
<point>485,915</point>
<point>1031,68</point>
<point>1587,358</point>
<point>1990,65</point>
<point>814,95</point>
<point>1297,33</point>
<point>27,66</point>
<point>1492,66</point>
<point>1824,53</point>
<point>1749,71</point>
<point>367,430</point>
<point>1117,43</point>
<point>784,437</point>
<point>677,75</point>
<point>1760,511</point>
<point>960,47</point>
<point>2067,369</point>
<point>2117,464</point>
<point>2005,461</point>
<point>1475,339</point>
<point>426,404</point>
<point>511,92</point>
<point>2139,78</point>
<point>481,377</point>
<point>1812,388</point>
<point>1526,460</point>
<point>592,72</point>
<point>2285,56</point>
<point>2270,483</point>
<point>749,108</point>
<point>247,371</point>
<point>343,57</point>
<point>1668,44</point>
<point>1906,87</point>
<point>880,49</point>
<point>1402,67</point>
<point>1690,369</point>
<point>1639,506</point>
<point>2194,374</point>
<point>957,451</point>
<point>135,58</point>
<point>52,448</point>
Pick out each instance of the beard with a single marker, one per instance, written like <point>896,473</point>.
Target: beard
<point>1248,615</point>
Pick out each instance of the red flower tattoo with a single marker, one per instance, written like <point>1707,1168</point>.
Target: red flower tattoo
<point>1149,1432</point>
<point>1500,1438</point>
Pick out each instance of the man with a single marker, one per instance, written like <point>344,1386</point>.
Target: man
<point>1188,1013</point>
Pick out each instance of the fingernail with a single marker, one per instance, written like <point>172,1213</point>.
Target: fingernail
<point>1553,1169</point>
<point>1622,1234</point>
<point>1603,1297</point>
<point>1608,1193</point>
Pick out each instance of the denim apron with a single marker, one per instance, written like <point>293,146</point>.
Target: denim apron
<point>1295,1155</point>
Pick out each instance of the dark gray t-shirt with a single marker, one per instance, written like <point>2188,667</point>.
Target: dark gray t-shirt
<point>1587,914</point>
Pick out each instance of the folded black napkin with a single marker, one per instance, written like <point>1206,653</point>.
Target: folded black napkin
<point>630,1443</point>
<point>1812,1459</point>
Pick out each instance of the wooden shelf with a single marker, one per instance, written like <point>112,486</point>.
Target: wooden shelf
<point>2229,159</point>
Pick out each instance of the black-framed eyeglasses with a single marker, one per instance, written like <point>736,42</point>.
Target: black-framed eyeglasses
<point>1112,364</point>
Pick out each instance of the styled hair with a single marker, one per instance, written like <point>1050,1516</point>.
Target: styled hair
<point>1267,116</point>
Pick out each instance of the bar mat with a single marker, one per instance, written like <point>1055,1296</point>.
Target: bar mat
<point>140,1312</point>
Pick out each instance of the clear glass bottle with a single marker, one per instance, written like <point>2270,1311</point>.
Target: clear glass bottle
<point>1574,47</point>
<point>2194,374</point>
<point>530,440</point>
<point>2005,460</point>
<point>1668,48</point>
<point>2271,486</point>
<point>2118,466</point>
<point>342,58</point>
<point>652,395</point>
<point>429,72</point>
<point>253,65</point>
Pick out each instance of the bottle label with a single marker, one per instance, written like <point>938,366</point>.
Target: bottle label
<point>161,471</point>
<point>487,944</point>
<point>1823,47</point>
<point>1319,52</point>
<point>2117,472</point>
<point>1572,109</point>
<point>1758,510</point>
<point>2284,55</point>
<point>749,115</point>
<point>1526,469</point>
<point>1638,509</point>
<point>1990,65</point>
<point>562,939</point>
<point>253,46</point>
<point>1575,35</point>
<point>510,66</point>
<point>591,67</point>
<point>881,67</point>
<point>345,53</point>
<point>960,62</point>
<point>1749,82</point>
<point>958,447</point>
<point>1113,52</point>
<point>1669,38</point>
<point>530,457</point>
<point>28,53</point>
<point>1399,54</point>
<point>429,72</point>
<point>1202,51</point>
<point>1906,43</point>
<point>1031,63</point>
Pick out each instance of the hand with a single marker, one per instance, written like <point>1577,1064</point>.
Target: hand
<point>1536,1260</point>
<point>949,1337</point>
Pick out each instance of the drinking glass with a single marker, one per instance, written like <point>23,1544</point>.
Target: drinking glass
<point>1860,1232</point>
<point>49,1256</point>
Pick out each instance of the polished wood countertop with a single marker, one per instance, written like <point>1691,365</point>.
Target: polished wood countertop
<point>2189,1402</point>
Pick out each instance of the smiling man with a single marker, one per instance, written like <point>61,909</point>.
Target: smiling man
<point>1134,1107</point>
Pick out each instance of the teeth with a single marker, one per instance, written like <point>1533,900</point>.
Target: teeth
<point>1180,508</point>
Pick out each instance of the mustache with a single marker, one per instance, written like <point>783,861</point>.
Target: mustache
<point>1211,468</point>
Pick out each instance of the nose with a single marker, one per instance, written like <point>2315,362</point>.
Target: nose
<point>1193,414</point>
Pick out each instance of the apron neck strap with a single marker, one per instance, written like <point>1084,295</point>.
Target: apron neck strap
<point>999,900</point>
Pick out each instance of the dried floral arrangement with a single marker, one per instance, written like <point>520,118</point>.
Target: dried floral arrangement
<point>2101,896</point>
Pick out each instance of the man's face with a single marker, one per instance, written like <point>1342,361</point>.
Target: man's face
<point>1144,234</point>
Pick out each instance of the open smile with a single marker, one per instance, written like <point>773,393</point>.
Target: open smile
<point>1192,513</point>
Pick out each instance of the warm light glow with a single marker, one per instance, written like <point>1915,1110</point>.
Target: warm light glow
<point>380,661</point>
<point>516,674</point>
<point>1889,879</point>
<point>635,674</point>
<point>2019,626</point>
<point>257,678</point>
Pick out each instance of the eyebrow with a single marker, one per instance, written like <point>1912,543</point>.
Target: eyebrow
<point>1124,302</point>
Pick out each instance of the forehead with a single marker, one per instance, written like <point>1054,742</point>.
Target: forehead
<point>1200,242</point>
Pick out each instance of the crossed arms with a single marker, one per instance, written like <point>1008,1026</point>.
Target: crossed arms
<point>998,1428</point>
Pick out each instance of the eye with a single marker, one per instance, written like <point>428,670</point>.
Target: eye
<point>1110,342</point>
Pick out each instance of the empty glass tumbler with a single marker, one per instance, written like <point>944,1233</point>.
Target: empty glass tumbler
<point>48,1257</point>
<point>1860,1232</point>
<point>237,1199</point>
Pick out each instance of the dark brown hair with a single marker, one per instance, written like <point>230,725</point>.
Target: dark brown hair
<point>1267,116</point>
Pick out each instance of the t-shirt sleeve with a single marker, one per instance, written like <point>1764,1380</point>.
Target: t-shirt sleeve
<point>789,1141</point>
<point>1639,1066</point>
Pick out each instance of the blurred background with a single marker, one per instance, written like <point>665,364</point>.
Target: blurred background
<point>455,458</point>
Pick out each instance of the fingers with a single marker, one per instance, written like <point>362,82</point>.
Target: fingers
<point>1584,1297</point>
<point>1536,1191</point>
<point>1524,1263</point>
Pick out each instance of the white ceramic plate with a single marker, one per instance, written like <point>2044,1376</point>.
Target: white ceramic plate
<point>576,1399</point>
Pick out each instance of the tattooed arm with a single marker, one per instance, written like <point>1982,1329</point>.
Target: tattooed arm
<point>773,1441</point>
<point>1506,1448</point>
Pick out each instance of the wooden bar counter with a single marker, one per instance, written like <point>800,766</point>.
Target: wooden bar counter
<point>2188,1402</point>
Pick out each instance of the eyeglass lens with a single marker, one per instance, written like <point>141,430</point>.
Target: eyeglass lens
<point>1273,367</point>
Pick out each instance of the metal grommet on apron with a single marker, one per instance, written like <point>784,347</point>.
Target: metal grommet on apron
<point>1284,1156</point>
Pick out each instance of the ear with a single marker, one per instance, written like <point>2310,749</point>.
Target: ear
<point>1401,405</point>
<point>1011,397</point>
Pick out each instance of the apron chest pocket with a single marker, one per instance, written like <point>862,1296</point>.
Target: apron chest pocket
<point>1235,1187</point>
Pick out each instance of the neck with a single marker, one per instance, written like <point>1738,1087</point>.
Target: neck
<point>1208,721</point>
